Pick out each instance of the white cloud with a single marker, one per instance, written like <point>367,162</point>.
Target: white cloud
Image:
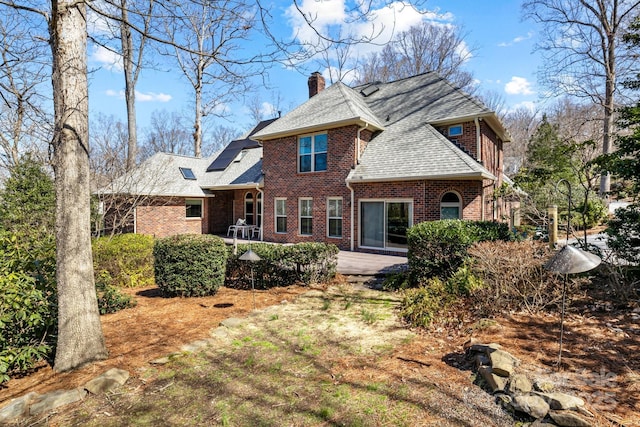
<point>141,97</point>
<point>529,105</point>
<point>267,109</point>
<point>333,17</point>
<point>516,40</point>
<point>107,58</point>
<point>518,86</point>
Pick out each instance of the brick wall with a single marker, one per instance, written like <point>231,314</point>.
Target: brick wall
<point>282,180</point>
<point>164,217</point>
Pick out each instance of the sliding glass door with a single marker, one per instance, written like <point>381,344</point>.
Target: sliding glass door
<point>384,224</point>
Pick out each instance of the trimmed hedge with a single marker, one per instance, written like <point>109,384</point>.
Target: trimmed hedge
<point>282,265</point>
<point>126,258</point>
<point>438,248</point>
<point>190,265</point>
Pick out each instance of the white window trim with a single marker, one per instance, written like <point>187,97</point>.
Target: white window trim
<point>313,152</point>
<point>455,134</point>
<point>201,209</point>
<point>276,216</point>
<point>300,200</point>
<point>244,201</point>
<point>452,204</point>
<point>402,250</point>
<point>329,200</point>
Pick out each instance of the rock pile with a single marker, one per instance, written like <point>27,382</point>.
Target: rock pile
<point>519,394</point>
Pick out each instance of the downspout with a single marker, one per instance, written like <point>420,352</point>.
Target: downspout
<point>261,209</point>
<point>135,220</point>
<point>352,209</point>
<point>366,125</point>
<point>478,140</point>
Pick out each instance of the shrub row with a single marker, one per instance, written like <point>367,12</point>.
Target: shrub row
<point>496,277</point>
<point>281,265</point>
<point>438,248</point>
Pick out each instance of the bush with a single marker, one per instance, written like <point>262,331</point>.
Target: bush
<point>420,306</point>
<point>623,234</point>
<point>282,265</point>
<point>190,265</point>
<point>126,258</point>
<point>110,299</point>
<point>26,320</point>
<point>513,277</point>
<point>438,248</point>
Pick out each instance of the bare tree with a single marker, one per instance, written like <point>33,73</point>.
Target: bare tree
<point>422,48</point>
<point>23,120</point>
<point>167,133</point>
<point>521,124</point>
<point>207,41</point>
<point>583,57</point>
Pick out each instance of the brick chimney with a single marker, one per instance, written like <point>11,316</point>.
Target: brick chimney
<point>316,83</point>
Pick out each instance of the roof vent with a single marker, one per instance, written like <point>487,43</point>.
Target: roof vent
<point>369,90</point>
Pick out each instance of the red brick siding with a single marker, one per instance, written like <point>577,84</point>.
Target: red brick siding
<point>167,217</point>
<point>283,180</point>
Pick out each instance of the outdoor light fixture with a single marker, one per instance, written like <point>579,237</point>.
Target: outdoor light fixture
<point>569,260</point>
<point>251,257</point>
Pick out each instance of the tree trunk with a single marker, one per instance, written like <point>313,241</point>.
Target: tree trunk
<point>197,126</point>
<point>80,337</point>
<point>130,87</point>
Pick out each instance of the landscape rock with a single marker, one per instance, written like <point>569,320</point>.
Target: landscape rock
<point>484,348</point>
<point>16,408</point>
<point>108,381</point>
<point>50,401</point>
<point>519,384</point>
<point>562,401</point>
<point>542,423</point>
<point>543,386</point>
<point>569,419</point>
<point>531,404</point>
<point>197,345</point>
<point>502,363</point>
<point>233,322</point>
<point>495,382</point>
<point>481,360</point>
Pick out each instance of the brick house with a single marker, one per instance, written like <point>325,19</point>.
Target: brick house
<point>355,167</point>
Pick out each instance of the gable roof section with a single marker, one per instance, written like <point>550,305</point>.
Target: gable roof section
<point>410,147</point>
<point>246,172</point>
<point>334,107</point>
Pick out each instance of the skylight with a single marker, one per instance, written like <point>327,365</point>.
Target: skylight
<point>187,173</point>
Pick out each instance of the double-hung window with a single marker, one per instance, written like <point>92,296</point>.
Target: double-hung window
<point>281,215</point>
<point>306,216</point>
<point>312,153</point>
<point>334,217</point>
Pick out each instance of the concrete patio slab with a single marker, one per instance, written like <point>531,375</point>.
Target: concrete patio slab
<point>363,264</point>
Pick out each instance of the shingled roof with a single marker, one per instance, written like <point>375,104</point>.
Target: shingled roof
<point>404,112</point>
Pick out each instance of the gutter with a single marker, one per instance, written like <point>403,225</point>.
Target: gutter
<point>351,238</point>
<point>261,209</point>
<point>478,140</point>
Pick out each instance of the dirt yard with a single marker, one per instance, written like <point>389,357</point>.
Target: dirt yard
<point>600,362</point>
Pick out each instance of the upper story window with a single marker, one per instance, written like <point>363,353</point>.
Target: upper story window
<point>312,153</point>
<point>455,130</point>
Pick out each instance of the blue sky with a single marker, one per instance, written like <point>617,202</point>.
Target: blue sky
<point>503,60</point>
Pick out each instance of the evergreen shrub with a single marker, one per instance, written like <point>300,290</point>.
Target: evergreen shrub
<point>189,265</point>
<point>126,258</point>
<point>282,265</point>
